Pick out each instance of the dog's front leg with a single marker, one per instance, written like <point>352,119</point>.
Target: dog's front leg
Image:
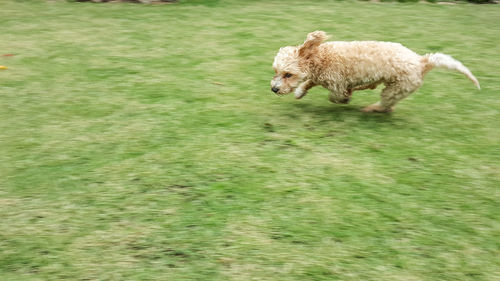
<point>302,89</point>
<point>343,97</point>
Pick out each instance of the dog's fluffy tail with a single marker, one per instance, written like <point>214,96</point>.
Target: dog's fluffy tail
<point>445,61</point>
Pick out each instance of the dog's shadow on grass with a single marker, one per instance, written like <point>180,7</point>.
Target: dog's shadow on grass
<point>347,113</point>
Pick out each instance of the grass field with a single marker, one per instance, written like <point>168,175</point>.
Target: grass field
<point>142,142</point>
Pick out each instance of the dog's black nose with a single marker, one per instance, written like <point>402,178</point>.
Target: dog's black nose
<point>274,89</point>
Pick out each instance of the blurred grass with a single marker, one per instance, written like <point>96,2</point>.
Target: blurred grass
<point>142,142</point>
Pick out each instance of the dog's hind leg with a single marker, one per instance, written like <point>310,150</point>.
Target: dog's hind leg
<point>392,94</point>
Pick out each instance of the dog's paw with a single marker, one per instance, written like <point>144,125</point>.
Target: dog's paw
<point>339,100</point>
<point>299,93</point>
<point>345,101</point>
<point>376,107</point>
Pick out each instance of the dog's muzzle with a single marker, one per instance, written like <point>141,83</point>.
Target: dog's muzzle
<point>275,89</point>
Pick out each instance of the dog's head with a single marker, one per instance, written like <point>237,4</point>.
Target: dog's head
<point>290,64</point>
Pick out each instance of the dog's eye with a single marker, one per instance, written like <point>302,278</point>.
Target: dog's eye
<point>288,75</point>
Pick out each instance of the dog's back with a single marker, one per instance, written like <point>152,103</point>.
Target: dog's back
<point>361,62</point>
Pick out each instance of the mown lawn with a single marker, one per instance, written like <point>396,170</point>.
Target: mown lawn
<point>142,142</point>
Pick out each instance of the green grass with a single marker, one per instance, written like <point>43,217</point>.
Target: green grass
<point>142,142</point>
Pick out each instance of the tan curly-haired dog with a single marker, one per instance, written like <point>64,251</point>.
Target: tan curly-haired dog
<point>344,67</point>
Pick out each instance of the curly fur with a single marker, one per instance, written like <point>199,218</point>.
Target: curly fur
<point>344,67</point>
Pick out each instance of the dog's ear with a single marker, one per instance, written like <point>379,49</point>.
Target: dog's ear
<point>314,39</point>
